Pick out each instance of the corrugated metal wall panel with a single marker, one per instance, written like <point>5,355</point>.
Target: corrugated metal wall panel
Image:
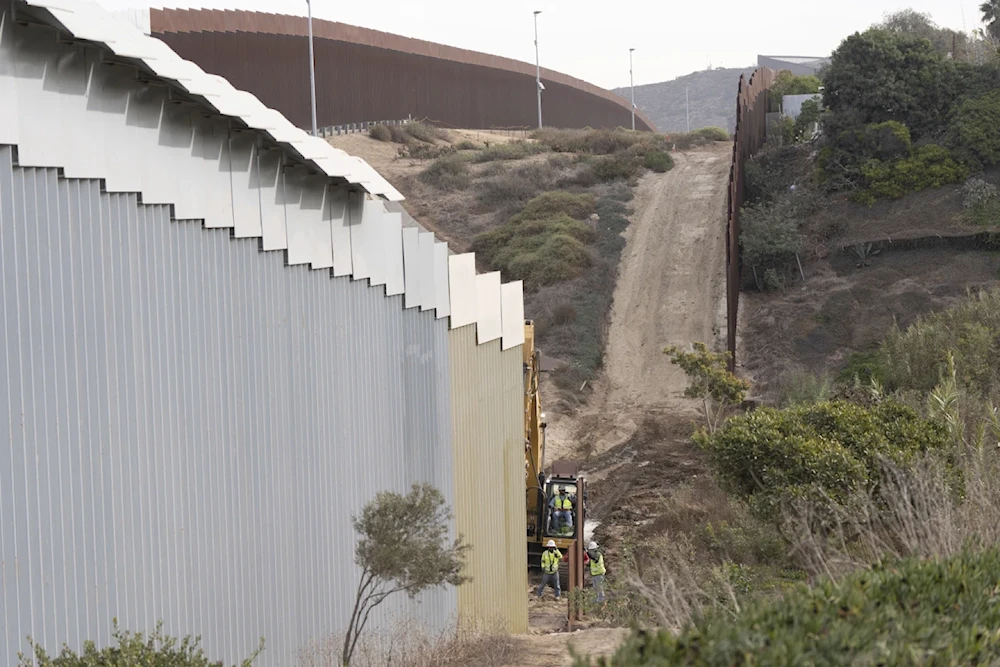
<point>390,84</point>
<point>191,424</point>
<point>488,412</point>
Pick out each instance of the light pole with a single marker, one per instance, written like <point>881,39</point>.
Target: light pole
<point>631,80</point>
<point>538,72</point>
<point>687,108</point>
<point>312,69</point>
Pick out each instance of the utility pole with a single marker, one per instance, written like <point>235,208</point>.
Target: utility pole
<point>631,80</point>
<point>538,72</point>
<point>687,107</point>
<point>312,70</point>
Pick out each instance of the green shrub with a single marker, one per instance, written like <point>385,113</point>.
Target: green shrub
<point>931,166</point>
<point>808,115</point>
<point>917,358</point>
<point>787,83</point>
<point>132,649</point>
<point>620,167</point>
<point>425,133</point>
<point>913,612</point>
<point>380,133</point>
<point>514,188</point>
<point>539,251</point>
<point>599,142</point>
<point>513,150</point>
<point>549,204</point>
<point>466,145</point>
<point>770,237</point>
<point>975,129</point>
<point>768,174</point>
<point>658,161</point>
<point>712,134</point>
<point>981,203</point>
<point>399,134</point>
<point>450,172</point>
<point>769,455</point>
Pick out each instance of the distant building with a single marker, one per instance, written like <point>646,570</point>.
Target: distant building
<point>798,65</point>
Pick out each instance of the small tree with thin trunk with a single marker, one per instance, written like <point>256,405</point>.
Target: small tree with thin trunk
<point>709,380</point>
<point>403,547</point>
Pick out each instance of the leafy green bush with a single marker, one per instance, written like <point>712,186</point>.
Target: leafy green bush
<point>917,358</point>
<point>658,161</point>
<point>712,134</point>
<point>515,187</point>
<point>513,150</point>
<point>380,133</point>
<point>618,167</point>
<point>808,115</point>
<point>466,145</point>
<point>770,237</point>
<point>770,455</point>
<point>131,649</point>
<point>787,83</point>
<point>545,243</point>
<point>768,174</point>
<point>425,133</point>
<point>548,204</point>
<point>981,203</point>
<point>450,172</point>
<point>914,612</point>
<point>975,129</point>
<point>931,166</point>
<point>539,251</point>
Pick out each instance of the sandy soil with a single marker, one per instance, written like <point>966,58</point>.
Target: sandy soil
<point>671,290</point>
<point>553,650</point>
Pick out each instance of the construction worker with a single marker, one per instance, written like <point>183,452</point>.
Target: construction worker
<point>597,569</point>
<point>551,558</point>
<point>562,514</point>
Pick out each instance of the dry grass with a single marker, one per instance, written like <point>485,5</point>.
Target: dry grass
<point>411,645</point>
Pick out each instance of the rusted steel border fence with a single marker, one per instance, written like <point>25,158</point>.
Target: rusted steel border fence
<point>751,132</point>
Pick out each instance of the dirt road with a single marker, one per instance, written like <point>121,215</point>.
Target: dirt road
<point>671,290</point>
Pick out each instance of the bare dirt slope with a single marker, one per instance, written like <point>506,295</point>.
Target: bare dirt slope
<point>671,290</point>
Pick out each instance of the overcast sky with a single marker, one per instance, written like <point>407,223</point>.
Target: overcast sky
<point>590,39</point>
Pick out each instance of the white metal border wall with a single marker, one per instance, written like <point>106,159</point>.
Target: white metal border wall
<point>72,107</point>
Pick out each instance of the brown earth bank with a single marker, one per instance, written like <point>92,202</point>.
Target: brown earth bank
<point>866,269</point>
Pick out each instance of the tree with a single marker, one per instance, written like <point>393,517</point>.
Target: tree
<point>403,547</point>
<point>991,17</point>
<point>787,83</point>
<point>710,380</point>
<point>131,649</point>
<point>920,25</point>
<point>878,76</point>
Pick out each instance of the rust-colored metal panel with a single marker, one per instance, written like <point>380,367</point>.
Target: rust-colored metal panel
<point>370,75</point>
<point>751,132</point>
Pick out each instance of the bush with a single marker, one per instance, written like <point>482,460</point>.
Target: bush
<point>513,150</point>
<point>931,166</point>
<point>936,612</point>
<point>380,133</point>
<point>787,83</point>
<point>620,167</point>
<point>916,359</point>
<point>548,204</point>
<point>540,251</point>
<point>600,142</point>
<point>514,188</point>
<point>769,456</point>
<point>768,174</point>
<point>982,202</point>
<point>770,237</point>
<point>658,161</point>
<point>975,129</point>
<point>450,172</point>
<point>425,133</point>
<point>712,134</point>
<point>466,145</point>
<point>131,649</point>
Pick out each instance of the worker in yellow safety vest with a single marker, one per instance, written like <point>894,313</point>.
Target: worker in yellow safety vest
<point>551,558</point>
<point>562,512</point>
<point>594,556</point>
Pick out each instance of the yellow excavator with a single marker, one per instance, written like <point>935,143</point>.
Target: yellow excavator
<point>543,486</point>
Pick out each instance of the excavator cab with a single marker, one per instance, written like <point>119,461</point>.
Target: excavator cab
<point>553,528</point>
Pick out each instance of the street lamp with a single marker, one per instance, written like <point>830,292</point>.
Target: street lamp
<point>538,72</point>
<point>312,69</point>
<point>631,80</point>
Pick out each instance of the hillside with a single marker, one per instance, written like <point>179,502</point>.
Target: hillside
<point>712,98</point>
